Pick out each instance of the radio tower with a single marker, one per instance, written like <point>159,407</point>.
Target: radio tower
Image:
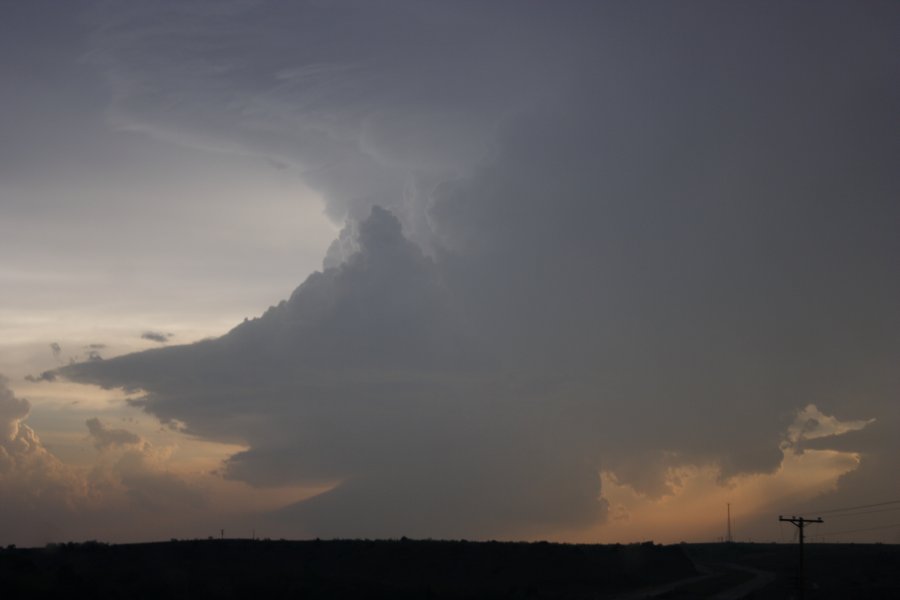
<point>728,537</point>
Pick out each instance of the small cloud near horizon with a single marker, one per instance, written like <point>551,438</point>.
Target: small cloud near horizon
<point>157,336</point>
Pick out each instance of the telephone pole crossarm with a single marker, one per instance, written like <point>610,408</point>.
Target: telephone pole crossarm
<point>800,523</point>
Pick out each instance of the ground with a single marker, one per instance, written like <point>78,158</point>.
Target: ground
<point>401,569</point>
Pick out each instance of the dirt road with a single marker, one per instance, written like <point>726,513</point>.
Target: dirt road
<point>717,581</point>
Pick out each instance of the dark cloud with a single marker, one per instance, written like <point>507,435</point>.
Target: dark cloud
<point>105,437</point>
<point>156,336</point>
<point>45,376</point>
<point>612,238</point>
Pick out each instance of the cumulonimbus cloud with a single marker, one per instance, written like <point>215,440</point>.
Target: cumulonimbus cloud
<point>555,258</point>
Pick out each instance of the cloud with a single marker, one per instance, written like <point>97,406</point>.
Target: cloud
<point>45,376</point>
<point>149,487</point>
<point>156,336</point>
<point>119,498</point>
<point>546,268</point>
<point>365,116</point>
<point>22,455</point>
<point>12,412</point>
<point>48,375</point>
<point>107,438</point>
<point>810,424</point>
<point>35,487</point>
<point>377,341</point>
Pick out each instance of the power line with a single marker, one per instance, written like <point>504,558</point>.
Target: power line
<point>835,510</point>
<point>865,512</point>
<point>863,529</point>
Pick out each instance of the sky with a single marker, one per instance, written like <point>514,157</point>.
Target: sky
<point>576,271</point>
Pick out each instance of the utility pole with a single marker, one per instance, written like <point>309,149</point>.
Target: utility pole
<point>800,523</point>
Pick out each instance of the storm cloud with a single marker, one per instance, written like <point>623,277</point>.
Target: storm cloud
<point>579,237</point>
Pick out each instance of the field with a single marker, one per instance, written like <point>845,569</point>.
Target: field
<point>831,571</point>
<point>406,569</point>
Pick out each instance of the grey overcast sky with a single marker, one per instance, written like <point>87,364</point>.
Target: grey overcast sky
<point>580,271</point>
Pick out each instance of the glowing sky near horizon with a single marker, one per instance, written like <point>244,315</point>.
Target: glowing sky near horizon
<point>580,271</point>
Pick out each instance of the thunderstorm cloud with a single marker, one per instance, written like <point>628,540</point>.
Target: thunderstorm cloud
<point>578,237</point>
